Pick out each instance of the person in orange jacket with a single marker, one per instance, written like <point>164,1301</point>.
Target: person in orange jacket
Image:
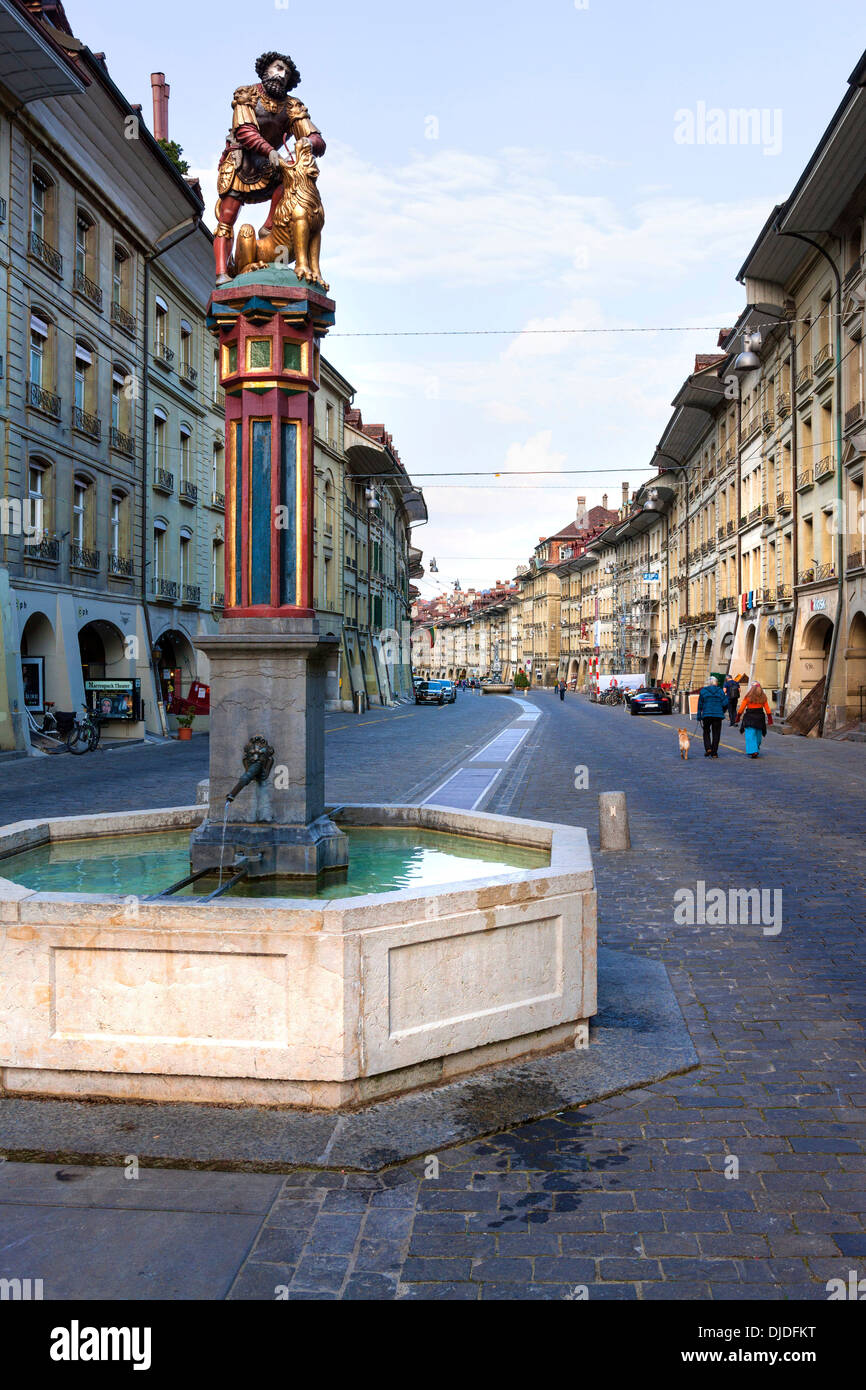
<point>755,716</point>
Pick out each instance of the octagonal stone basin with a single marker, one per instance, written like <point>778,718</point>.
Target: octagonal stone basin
<point>315,1002</point>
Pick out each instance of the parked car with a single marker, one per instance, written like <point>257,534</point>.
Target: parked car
<point>649,700</point>
<point>435,693</point>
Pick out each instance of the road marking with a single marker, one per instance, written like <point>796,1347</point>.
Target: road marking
<point>365,723</point>
<point>464,793</point>
<point>509,741</point>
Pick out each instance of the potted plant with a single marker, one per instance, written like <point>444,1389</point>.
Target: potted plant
<point>184,725</point>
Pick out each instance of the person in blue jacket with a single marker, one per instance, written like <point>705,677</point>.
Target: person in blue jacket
<point>712,708</point>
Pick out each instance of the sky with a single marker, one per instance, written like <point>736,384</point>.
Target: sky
<point>496,168</point>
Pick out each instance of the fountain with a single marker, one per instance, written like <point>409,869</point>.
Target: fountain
<point>267,973</point>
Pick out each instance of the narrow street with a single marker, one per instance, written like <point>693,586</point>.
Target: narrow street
<point>634,1196</point>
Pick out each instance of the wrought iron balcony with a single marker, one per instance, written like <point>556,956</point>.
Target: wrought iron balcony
<point>806,577</point>
<point>220,398</point>
<point>85,423</point>
<point>784,593</point>
<point>804,479</point>
<point>188,373</point>
<point>123,318</point>
<point>804,377</point>
<point>123,443</point>
<point>217,600</point>
<point>43,400</point>
<point>166,589</point>
<point>191,593</point>
<point>823,357</point>
<point>188,491</point>
<point>855,560</point>
<point>783,501</point>
<point>768,420</point>
<point>87,288</point>
<point>120,564</point>
<point>755,514</point>
<point>824,466</point>
<point>853,415</point>
<point>80,558</point>
<point>46,253</point>
<point>48,549</point>
<point>751,427</point>
<point>163,480</point>
<point>163,353</point>
<point>218,499</point>
<point>783,404</point>
<point>825,572</point>
<point>731,527</point>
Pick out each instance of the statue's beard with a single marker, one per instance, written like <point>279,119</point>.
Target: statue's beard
<point>276,87</point>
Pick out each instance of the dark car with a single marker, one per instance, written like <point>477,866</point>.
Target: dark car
<point>435,693</point>
<point>650,700</point>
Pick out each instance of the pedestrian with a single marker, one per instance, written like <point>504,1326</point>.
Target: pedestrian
<point>732,690</point>
<point>755,716</point>
<point>561,689</point>
<point>712,707</point>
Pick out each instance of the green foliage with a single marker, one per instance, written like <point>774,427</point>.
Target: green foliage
<point>521,680</point>
<point>175,154</point>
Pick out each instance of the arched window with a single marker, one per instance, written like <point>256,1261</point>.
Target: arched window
<point>82,554</point>
<point>187,369</point>
<point>119,557</point>
<point>86,259</point>
<point>160,552</point>
<point>217,476</point>
<point>42,359</point>
<point>122,397</point>
<point>84,399</point>
<point>40,497</point>
<point>217,579</point>
<point>185,453</point>
<point>160,445</point>
<point>122,290</point>
<point>43,220</point>
<point>185,557</point>
<point>160,330</point>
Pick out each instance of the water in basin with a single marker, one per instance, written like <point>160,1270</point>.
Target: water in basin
<point>380,861</point>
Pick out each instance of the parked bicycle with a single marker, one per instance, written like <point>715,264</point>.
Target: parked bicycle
<point>83,737</point>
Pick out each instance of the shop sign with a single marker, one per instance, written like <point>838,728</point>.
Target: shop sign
<point>119,699</point>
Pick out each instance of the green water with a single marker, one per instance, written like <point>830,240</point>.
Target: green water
<point>380,861</point>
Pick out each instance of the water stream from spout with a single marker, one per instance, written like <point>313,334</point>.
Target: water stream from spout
<point>223,842</point>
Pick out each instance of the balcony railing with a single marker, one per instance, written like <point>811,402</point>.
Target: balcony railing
<point>166,589</point>
<point>806,577</point>
<point>85,423</point>
<point>783,404</point>
<point>217,600</point>
<point>188,491</point>
<point>43,400</point>
<point>784,593</point>
<point>825,572</point>
<point>218,500</point>
<point>80,558</point>
<point>123,443</point>
<point>123,318</point>
<point>804,377</point>
<point>855,560</point>
<point>754,514</point>
<point>730,528</point>
<point>768,420</point>
<point>822,357</point>
<point>751,426</point>
<point>48,549</point>
<point>768,595</point>
<point>163,480</point>
<point>46,253</point>
<point>220,398</point>
<point>88,288</point>
<point>163,353</point>
<point>854,414</point>
<point>120,564</point>
<point>804,479</point>
<point>824,466</point>
<point>726,605</point>
<point>783,501</point>
<point>188,374</point>
<point>191,593</point>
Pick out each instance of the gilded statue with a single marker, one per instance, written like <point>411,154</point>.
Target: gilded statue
<point>297,219</point>
<point>251,170</point>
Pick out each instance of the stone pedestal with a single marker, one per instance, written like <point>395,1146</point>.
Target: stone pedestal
<point>268,679</point>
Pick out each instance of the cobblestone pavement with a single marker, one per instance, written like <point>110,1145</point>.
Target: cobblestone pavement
<point>385,753</point>
<point>743,1179</point>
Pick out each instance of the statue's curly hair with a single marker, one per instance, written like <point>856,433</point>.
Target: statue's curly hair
<point>263,63</point>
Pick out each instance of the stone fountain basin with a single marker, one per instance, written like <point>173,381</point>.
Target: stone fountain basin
<point>315,1003</point>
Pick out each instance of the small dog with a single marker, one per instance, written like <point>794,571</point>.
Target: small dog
<point>683,736</point>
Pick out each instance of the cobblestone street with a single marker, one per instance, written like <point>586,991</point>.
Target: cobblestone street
<point>632,1197</point>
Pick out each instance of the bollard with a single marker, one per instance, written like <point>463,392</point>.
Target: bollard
<point>613,821</point>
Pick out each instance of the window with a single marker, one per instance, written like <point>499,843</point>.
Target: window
<point>38,476</point>
<point>38,350</point>
<point>118,526</point>
<point>186,349</point>
<point>160,533</point>
<point>121,408</point>
<point>160,326</point>
<point>185,555</point>
<point>329,423</point>
<point>217,480</point>
<point>82,512</point>
<point>160,438</point>
<point>217,573</point>
<point>83,380</point>
<point>185,453</point>
<point>216,374</point>
<point>85,247</point>
<point>39,198</point>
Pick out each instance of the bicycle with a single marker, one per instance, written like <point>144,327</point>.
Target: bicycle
<point>83,737</point>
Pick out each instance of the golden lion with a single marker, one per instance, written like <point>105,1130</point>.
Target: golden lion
<point>296,233</point>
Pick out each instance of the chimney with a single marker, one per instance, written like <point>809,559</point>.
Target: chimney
<point>604,501</point>
<point>581,511</point>
<point>625,495</point>
<point>161,91</point>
